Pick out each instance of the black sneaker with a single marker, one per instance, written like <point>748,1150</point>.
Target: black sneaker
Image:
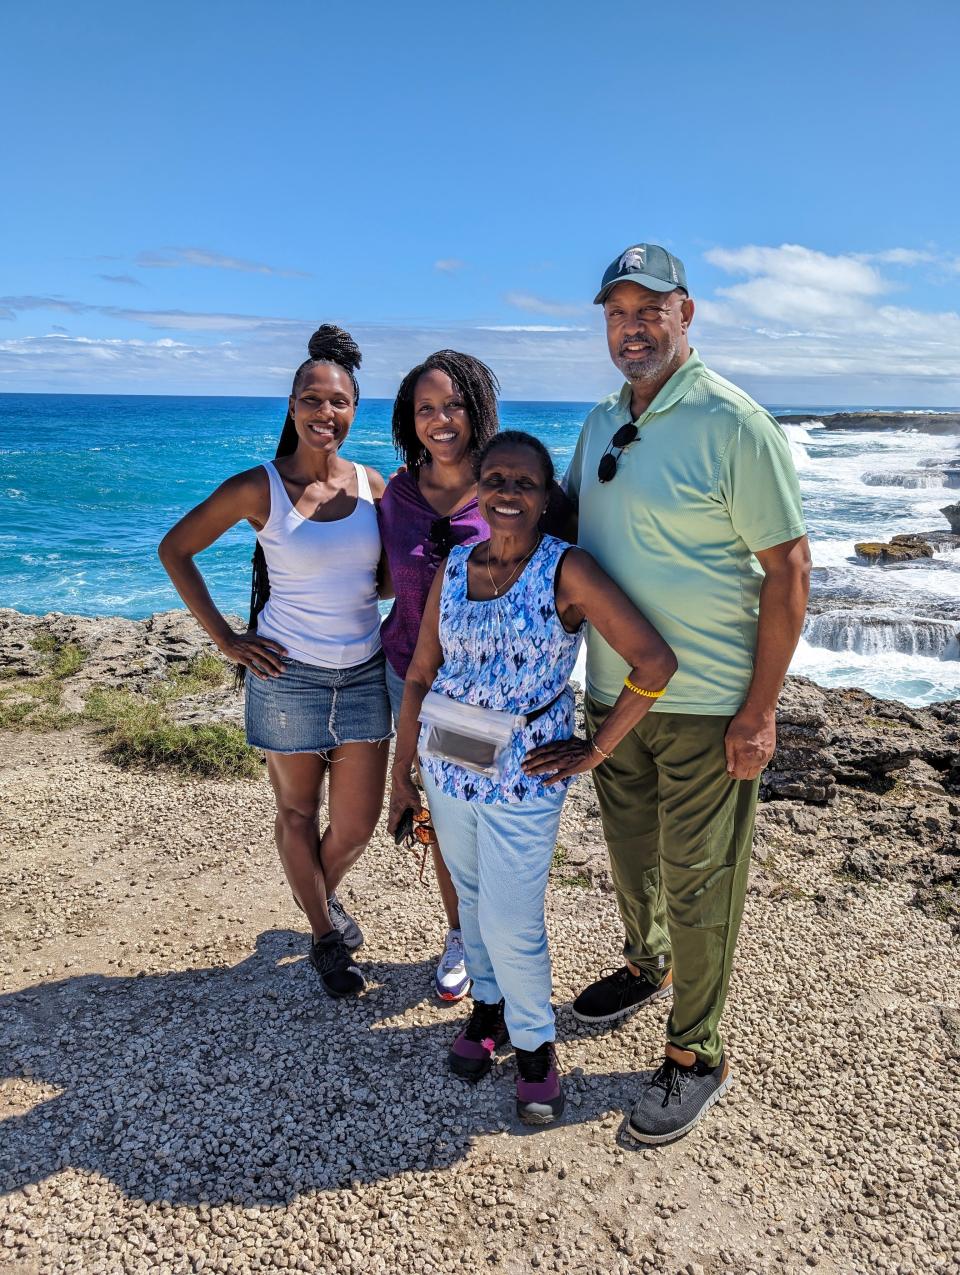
<point>471,1054</point>
<point>332,961</point>
<point>618,994</point>
<point>677,1094</point>
<point>344,922</point>
<point>539,1092</point>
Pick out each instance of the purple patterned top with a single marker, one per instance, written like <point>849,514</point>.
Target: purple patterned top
<point>405,522</point>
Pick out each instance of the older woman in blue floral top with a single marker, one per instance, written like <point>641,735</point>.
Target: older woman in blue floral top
<point>500,631</point>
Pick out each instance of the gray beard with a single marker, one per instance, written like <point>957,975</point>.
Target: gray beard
<point>652,368</point>
<point>637,370</point>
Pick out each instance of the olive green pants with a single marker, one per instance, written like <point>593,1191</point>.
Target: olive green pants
<point>679,831</point>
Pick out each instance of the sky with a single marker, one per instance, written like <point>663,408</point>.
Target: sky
<point>187,190</point>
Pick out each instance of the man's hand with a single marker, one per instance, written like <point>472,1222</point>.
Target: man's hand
<point>750,742</point>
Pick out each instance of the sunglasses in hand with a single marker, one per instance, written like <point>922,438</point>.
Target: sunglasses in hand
<point>416,830</point>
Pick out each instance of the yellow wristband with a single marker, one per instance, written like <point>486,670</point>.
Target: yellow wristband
<point>638,690</point>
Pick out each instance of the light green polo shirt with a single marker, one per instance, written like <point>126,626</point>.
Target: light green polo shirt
<point>709,482</point>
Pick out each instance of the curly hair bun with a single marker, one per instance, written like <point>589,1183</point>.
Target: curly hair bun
<point>333,345</point>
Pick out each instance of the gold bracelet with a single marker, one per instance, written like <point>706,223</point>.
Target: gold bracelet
<point>638,690</point>
<point>594,744</point>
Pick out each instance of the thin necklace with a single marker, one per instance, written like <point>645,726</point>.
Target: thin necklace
<point>497,591</point>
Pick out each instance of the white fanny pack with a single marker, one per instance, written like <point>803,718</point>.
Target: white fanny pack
<point>469,736</point>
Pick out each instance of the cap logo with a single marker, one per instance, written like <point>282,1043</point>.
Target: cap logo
<point>632,260</point>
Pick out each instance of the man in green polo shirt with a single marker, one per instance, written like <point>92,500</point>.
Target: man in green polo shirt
<point>688,498</point>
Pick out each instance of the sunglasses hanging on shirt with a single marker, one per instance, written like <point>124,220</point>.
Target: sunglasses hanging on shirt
<point>609,461</point>
<point>440,536</point>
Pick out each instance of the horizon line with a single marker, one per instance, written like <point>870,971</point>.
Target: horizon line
<point>373,398</point>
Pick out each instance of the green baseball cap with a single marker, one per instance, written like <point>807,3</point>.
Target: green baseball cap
<point>647,264</point>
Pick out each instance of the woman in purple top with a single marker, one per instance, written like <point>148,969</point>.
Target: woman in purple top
<point>445,410</point>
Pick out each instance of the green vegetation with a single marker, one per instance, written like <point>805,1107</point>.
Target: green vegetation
<point>579,881</point>
<point>559,862</point>
<point>45,643</point>
<point>139,732</point>
<point>68,660</point>
<point>882,723</point>
<point>203,673</point>
<point>137,728</point>
<point>35,703</point>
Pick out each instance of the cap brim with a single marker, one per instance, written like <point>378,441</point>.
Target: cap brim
<point>644,280</point>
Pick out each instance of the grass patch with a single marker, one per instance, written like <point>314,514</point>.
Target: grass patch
<point>559,862</point>
<point>203,673</point>
<point>139,732</point>
<point>882,723</point>
<point>579,881</point>
<point>68,660</point>
<point>27,714</point>
<point>34,703</point>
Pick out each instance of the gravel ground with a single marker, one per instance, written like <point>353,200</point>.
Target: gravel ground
<point>179,1095</point>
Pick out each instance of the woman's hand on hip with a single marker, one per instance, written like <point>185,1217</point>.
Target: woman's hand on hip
<point>561,758</point>
<point>261,656</point>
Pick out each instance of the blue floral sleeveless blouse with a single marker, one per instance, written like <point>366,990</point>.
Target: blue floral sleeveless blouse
<point>511,653</point>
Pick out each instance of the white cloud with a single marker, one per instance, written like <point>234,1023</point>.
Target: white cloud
<point>804,315</point>
<point>527,327</point>
<point>126,279</point>
<point>449,265</point>
<point>175,320</point>
<point>556,363</point>
<point>177,258</point>
<point>541,305</point>
<point>790,323</point>
<point>898,256</point>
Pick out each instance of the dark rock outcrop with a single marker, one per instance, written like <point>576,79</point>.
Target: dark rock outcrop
<point>911,478</point>
<point>937,540</point>
<point>924,422</point>
<point>875,551</point>
<point>952,515</point>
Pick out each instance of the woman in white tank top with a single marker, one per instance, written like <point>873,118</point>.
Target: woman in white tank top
<point>316,698</point>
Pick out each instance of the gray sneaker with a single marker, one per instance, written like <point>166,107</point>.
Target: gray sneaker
<point>677,1094</point>
<point>344,922</point>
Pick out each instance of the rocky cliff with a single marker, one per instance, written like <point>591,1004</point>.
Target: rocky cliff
<point>873,775</point>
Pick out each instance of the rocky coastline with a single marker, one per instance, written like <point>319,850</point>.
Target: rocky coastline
<point>177,1095</point>
<point>881,778</point>
<point>925,422</point>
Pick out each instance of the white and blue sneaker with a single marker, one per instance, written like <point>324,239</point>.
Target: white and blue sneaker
<point>451,980</point>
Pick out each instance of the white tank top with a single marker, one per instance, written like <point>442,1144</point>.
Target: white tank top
<point>323,600</point>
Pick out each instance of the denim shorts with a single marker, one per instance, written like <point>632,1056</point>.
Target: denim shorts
<point>395,685</point>
<point>309,709</point>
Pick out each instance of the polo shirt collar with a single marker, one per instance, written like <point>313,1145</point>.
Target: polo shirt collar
<point>670,394</point>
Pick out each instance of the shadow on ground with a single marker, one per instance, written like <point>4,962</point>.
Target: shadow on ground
<point>245,1084</point>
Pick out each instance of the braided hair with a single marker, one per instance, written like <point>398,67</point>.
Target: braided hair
<point>476,383</point>
<point>329,344</point>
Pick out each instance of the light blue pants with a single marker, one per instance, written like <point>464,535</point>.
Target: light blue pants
<point>499,857</point>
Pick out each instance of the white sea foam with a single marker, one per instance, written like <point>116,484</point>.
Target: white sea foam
<point>893,675</point>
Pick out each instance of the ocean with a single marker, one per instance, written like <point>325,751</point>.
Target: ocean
<point>89,484</point>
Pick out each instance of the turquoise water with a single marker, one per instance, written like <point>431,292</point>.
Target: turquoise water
<point>89,484</point>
